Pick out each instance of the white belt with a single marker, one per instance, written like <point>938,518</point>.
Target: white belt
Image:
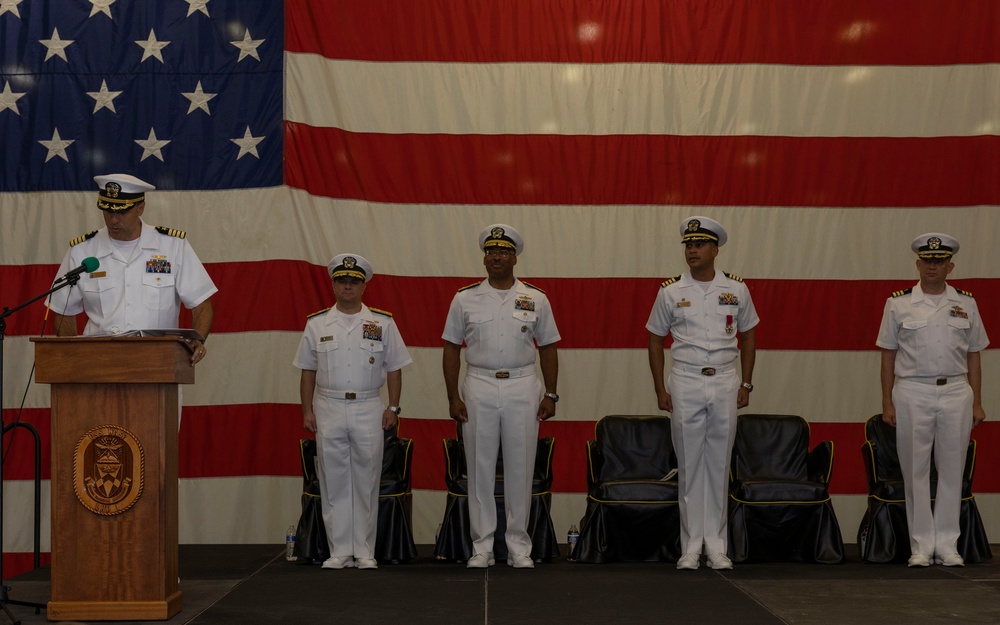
<point>501,374</point>
<point>939,381</point>
<point>706,369</point>
<point>347,394</point>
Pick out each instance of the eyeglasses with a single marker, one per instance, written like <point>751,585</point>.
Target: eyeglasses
<point>494,251</point>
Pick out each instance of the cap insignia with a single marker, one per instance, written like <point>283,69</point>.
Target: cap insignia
<point>497,233</point>
<point>693,225</point>
<point>934,243</point>
<point>112,189</point>
<point>350,262</point>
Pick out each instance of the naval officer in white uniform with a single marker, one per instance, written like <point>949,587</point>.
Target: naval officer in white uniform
<point>501,320</point>
<point>931,338</point>
<point>705,310</point>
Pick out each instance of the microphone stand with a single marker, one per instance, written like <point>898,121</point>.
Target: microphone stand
<point>5,599</point>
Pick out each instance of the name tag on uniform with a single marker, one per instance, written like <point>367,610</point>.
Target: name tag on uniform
<point>683,303</point>
<point>99,274</point>
<point>324,339</point>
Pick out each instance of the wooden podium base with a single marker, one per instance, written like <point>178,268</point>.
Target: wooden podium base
<point>115,610</point>
<point>114,412</point>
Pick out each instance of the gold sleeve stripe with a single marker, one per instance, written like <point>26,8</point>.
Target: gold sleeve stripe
<point>172,232</point>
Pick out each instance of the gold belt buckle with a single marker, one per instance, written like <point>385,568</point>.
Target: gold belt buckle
<point>503,375</point>
<point>708,370</point>
<point>350,395</point>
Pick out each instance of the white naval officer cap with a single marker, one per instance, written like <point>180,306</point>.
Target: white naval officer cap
<point>699,228</point>
<point>120,192</point>
<point>503,236</point>
<point>351,266</point>
<point>934,245</point>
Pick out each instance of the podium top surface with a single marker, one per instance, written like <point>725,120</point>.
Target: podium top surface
<point>112,359</point>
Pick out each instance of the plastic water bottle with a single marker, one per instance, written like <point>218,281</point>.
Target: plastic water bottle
<point>290,543</point>
<point>571,539</point>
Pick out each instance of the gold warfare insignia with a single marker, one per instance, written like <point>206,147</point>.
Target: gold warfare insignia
<point>693,225</point>
<point>108,470</point>
<point>112,189</point>
<point>934,243</point>
<point>350,262</point>
<point>497,233</point>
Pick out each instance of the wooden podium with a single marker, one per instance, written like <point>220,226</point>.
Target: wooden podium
<point>114,474</point>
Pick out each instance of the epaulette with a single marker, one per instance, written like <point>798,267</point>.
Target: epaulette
<point>380,311</point>
<point>471,286</point>
<point>669,281</point>
<point>964,292</point>
<point>318,312</point>
<point>83,237</point>
<point>173,232</point>
<point>732,277</point>
<point>531,286</point>
<point>902,293</point>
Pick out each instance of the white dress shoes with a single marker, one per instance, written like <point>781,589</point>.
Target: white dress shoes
<point>719,562</point>
<point>339,562</point>
<point>919,559</point>
<point>689,562</point>
<point>520,562</point>
<point>480,561</point>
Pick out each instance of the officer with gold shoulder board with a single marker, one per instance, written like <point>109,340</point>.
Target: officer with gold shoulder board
<point>705,310</point>
<point>503,323</point>
<point>347,353</point>
<point>144,276</point>
<point>931,338</point>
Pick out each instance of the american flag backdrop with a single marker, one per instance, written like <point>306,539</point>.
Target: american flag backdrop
<point>824,135</point>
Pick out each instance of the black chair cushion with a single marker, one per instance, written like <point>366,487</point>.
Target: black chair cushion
<point>644,491</point>
<point>779,491</point>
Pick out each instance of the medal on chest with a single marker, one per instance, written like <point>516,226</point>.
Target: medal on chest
<point>730,328</point>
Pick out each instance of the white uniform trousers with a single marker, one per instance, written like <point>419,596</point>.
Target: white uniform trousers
<point>349,445</point>
<point>939,419</point>
<point>703,428</point>
<point>501,412</point>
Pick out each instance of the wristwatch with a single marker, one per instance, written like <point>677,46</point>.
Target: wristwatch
<point>394,410</point>
<point>553,396</point>
<point>747,386</point>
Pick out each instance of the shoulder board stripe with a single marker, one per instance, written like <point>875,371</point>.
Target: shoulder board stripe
<point>531,286</point>
<point>964,292</point>
<point>83,237</point>
<point>471,286</point>
<point>318,312</point>
<point>732,276</point>
<point>669,281</point>
<point>902,293</point>
<point>172,232</point>
<point>380,311</point>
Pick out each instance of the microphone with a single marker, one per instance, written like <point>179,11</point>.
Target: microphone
<point>89,265</point>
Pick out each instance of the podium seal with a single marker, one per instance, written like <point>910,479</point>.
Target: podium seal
<point>108,470</point>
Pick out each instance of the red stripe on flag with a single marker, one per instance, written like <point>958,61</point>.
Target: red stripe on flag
<point>16,563</point>
<point>643,169</point>
<point>262,439</point>
<point>821,32</point>
<point>796,314</point>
